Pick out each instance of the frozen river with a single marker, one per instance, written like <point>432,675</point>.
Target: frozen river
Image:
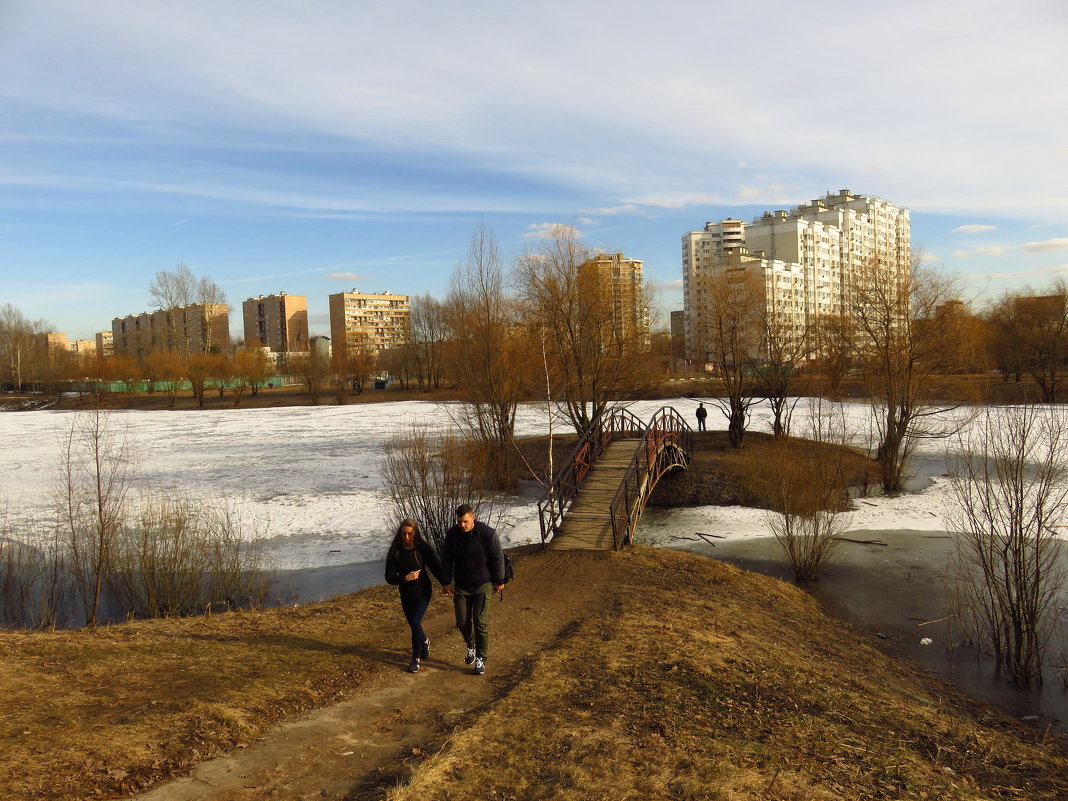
<point>311,477</point>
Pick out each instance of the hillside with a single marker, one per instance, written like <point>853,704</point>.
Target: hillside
<point>646,674</point>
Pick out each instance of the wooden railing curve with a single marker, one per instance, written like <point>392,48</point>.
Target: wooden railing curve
<point>667,445</point>
<point>557,499</point>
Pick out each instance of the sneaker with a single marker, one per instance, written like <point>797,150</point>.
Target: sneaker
<point>426,648</point>
<point>470,656</point>
<point>413,667</point>
<point>480,666</point>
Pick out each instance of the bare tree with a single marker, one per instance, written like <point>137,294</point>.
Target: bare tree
<point>353,367</point>
<point>595,325</point>
<point>901,339</point>
<point>806,482</point>
<point>1030,333</point>
<point>429,473</point>
<point>427,336</point>
<point>178,556</point>
<point>180,288</point>
<point>23,358</point>
<point>731,330</point>
<point>312,367</point>
<point>91,496</point>
<point>200,368</point>
<point>831,336</point>
<point>785,350</point>
<point>489,354</point>
<point>252,366</point>
<point>1008,477</point>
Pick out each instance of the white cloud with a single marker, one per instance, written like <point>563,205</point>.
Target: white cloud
<point>994,250</point>
<point>680,201</point>
<point>669,285</point>
<point>1046,245</point>
<point>549,229</point>
<point>928,258</point>
<point>626,208</point>
<point>351,277</point>
<point>585,221</point>
<point>973,229</point>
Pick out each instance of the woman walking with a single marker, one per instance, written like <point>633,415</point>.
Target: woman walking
<point>407,561</point>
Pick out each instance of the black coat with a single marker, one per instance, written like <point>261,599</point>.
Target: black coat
<point>471,559</point>
<point>401,562</point>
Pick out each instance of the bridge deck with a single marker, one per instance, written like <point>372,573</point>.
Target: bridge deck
<point>587,525</point>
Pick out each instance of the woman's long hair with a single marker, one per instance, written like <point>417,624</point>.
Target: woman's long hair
<point>417,540</point>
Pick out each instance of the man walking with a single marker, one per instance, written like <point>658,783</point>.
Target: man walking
<point>472,569</point>
<point>702,413</point>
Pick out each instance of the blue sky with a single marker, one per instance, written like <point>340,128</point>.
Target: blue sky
<point>313,147</point>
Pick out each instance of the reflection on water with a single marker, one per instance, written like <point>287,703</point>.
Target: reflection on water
<point>895,590</point>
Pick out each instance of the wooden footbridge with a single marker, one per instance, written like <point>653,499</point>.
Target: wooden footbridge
<point>596,499</point>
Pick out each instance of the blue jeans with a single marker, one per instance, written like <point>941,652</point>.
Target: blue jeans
<point>414,606</point>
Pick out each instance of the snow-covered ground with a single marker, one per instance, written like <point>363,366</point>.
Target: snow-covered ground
<point>311,476</point>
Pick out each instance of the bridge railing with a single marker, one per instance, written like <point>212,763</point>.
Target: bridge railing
<point>557,499</point>
<point>668,443</point>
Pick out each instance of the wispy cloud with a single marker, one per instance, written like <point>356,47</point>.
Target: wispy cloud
<point>995,250</point>
<point>974,228</point>
<point>1060,243</point>
<point>1059,269</point>
<point>549,229</point>
<point>351,277</point>
<point>680,201</point>
<point>626,208</point>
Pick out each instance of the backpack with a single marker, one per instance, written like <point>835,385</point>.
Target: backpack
<point>509,573</point>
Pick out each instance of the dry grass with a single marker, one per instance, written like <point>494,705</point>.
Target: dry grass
<point>706,682</point>
<point>115,710</point>
<point>694,680</point>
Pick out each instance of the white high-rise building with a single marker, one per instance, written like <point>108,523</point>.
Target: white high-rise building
<point>807,257</point>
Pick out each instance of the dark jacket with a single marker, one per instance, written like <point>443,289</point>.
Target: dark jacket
<point>471,559</point>
<point>401,562</point>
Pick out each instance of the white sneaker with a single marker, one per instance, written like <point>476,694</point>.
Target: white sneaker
<point>480,666</point>
<point>470,656</point>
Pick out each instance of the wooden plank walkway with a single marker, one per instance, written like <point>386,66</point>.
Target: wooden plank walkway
<point>587,526</point>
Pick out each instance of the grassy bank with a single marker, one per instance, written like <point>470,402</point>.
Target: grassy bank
<point>693,680</point>
<point>705,682</point>
<point>718,474</point>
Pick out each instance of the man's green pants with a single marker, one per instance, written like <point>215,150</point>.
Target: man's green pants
<point>472,616</point>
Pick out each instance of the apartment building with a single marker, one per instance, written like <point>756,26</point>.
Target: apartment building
<point>53,344</point>
<point>196,328</point>
<point>83,347</point>
<point>359,319</point>
<point>105,343</point>
<point>808,258</point>
<point>278,322</point>
<point>624,279</point>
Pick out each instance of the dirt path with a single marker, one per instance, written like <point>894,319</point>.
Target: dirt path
<point>372,740</point>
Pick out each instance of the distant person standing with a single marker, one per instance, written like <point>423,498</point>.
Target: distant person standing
<point>702,413</point>
<point>472,565</point>
<point>407,561</point>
